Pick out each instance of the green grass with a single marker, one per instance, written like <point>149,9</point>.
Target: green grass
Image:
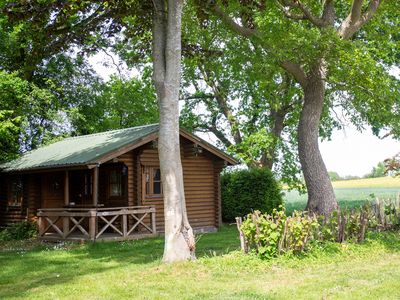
<point>133,270</point>
<point>351,193</point>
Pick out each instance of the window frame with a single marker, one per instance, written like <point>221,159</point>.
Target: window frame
<point>121,180</point>
<point>11,193</point>
<point>148,182</point>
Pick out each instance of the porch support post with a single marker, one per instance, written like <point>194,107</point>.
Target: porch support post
<point>65,219</point>
<point>41,224</point>
<point>66,188</point>
<point>92,225</point>
<point>95,186</point>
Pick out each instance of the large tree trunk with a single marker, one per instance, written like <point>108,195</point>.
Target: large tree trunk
<point>321,197</point>
<point>179,238</point>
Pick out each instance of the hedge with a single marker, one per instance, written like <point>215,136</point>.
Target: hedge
<point>245,191</point>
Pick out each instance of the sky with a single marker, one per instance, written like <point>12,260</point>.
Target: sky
<point>353,153</point>
<point>349,152</point>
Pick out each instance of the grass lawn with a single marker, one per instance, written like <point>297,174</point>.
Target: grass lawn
<point>351,193</point>
<point>132,270</point>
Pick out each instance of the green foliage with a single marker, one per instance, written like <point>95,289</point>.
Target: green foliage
<point>378,171</point>
<point>245,101</point>
<point>244,191</point>
<point>334,176</point>
<point>26,112</point>
<point>273,234</point>
<point>277,233</point>
<point>19,231</point>
<point>120,104</point>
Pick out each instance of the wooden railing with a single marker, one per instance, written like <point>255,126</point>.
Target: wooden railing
<point>112,223</point>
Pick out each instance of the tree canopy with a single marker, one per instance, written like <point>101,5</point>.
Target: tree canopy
<point>267,78</point>
<point>339,53</point>
<point>49,87</point>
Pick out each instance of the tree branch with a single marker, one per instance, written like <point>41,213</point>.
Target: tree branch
<point>219,134</point>
<point>289,15</point>
<point>307,14</point>
<point>328,14</point>
<point>237,28</point>
<point>296,70</point>
<point>372,8</point>
<point>356,19</point>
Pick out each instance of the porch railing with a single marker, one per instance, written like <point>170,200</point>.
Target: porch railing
<point>112,223</point>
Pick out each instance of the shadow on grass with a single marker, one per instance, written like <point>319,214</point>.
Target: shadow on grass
<point>22,271</point>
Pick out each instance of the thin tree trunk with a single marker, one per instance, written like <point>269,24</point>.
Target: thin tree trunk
<point>321,197</point>
<point>278,117</point>
<point>179,238</point>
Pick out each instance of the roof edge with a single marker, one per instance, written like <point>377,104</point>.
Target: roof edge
<point>209,147</point>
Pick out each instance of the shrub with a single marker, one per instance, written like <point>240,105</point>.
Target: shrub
<point>247,190</point>
<point>19,231</point>
<point>272,234</point>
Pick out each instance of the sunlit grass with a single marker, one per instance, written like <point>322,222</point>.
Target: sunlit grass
<point>351,193</point>
<point>133,270</point>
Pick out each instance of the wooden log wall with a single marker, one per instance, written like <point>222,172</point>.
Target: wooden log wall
<point>3,199</point>
<point>12,214</point>
<point>201,186</point>
<point>34,195</point>
<point>218,166</point>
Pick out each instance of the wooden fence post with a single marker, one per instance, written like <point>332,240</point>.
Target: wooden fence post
<point>124,224</point>
<point>41,225</point>
<point>243,243</point>
<point>364,222</point>
<point>65,222</point>
<point>153,221</point>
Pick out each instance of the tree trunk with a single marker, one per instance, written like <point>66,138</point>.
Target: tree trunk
<point>321,197</point>
<point>179,238</point>
<point>268,158</point>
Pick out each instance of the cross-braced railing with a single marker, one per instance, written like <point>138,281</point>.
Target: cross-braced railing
<point>116,223</point>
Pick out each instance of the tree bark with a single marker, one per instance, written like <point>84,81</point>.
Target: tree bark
<point>321,197</point>
<point>179,237</point>
<point>278,117</point>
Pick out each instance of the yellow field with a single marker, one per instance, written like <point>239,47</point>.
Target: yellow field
<point>381,182</point>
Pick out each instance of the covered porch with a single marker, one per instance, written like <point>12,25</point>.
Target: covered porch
<point>94,204</point>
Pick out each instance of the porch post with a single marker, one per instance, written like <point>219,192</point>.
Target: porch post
<point>95,186</point>
<point>66,188</point>
<point>93,213</point>
<point>65,219</point>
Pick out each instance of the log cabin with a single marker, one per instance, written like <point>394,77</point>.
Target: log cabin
<point>108,186</point>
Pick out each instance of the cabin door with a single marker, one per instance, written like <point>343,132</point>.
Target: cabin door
<point>81,187</point>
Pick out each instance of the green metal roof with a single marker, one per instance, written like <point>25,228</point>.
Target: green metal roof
<point>80,150</point>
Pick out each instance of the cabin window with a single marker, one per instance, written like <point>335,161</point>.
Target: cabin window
<point>16,193</point>
<point>152,177</point>
<point>117,178</point>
